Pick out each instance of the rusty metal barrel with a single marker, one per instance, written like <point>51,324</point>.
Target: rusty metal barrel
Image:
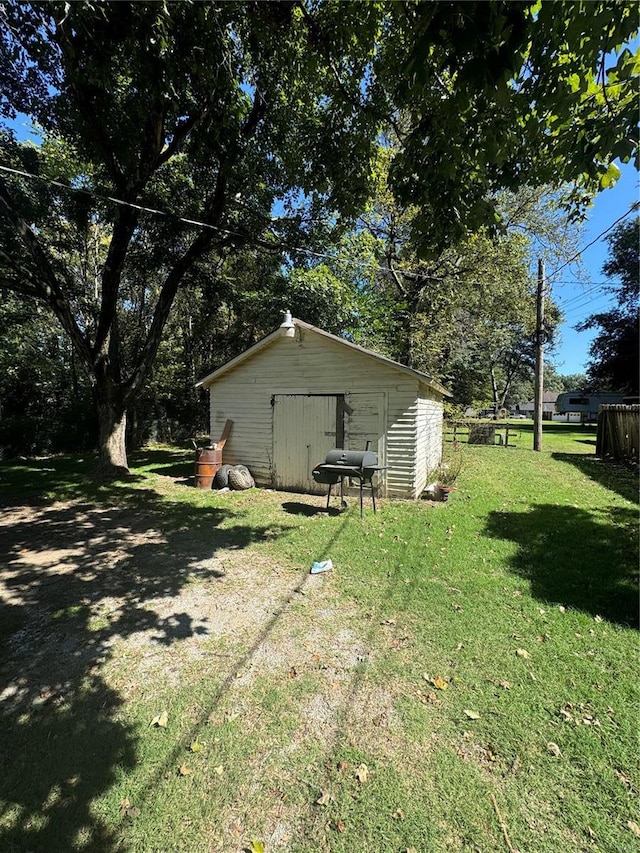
<point>208,461</point>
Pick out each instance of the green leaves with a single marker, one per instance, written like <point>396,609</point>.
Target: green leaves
<point>610,177</point>
<point>507,95</point>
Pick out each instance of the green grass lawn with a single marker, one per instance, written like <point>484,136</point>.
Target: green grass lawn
<point>464,680</point>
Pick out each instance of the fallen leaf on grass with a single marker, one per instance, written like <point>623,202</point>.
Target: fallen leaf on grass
<point>429,699</point>
<point>437,682</point>
<point>196,746</point>
<point>343,765</point>
<point>256,846</point>
<point>362,773</point>
<point>236,829</point>
<point>626,781</point>
<point>184,770</point>
<point>219,770</point>
<point>473,715</point>
<point>399,814</point>
<point>523,653</point>
<point>340,826</point>
<point>160,720</point>
<point>598,618</point>
<point>127,810</point>
<point>323,799</point>
<point>633,826</point>
<point>505,685</point>
<point>562,609</point>
<point>554,749</point>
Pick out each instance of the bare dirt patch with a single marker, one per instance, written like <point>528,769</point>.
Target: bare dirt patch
<point>115,603</point>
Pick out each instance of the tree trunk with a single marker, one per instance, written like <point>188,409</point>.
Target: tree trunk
<point>495,392</point>
<point>112,421</point>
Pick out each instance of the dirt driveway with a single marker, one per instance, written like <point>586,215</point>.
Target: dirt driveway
<point>102,605</point>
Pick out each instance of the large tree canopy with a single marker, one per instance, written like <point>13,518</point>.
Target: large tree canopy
<point>250,124</point>
<point>497,95</point>
<point>212,112</point>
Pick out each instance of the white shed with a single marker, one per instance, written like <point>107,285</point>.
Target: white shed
<point>301,391</point>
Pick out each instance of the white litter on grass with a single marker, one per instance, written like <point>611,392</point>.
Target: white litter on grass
<point>324,566</point>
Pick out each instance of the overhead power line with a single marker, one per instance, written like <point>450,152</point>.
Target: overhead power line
<point>563,303</point>
<point>198,223</point>
<point>634,206</point>
<point>309,252</point>
<point>120,201</point>
<point>578,310</point>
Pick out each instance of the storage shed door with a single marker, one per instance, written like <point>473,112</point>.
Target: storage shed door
<point>304,431</point>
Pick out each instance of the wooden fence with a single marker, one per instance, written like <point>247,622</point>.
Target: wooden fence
<point>480,432</point>
<point>618,434</point>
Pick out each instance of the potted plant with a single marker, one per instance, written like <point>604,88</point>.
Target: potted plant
<point>447,475</point>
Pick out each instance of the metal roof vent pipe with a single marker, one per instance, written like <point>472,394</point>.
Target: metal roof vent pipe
<point>288,327</point>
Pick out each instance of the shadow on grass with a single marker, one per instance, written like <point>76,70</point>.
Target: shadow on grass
<point>559,428</point>
<point>73,477</point>
<point>612,475</point>
<point>585,560</point>
<point>298,508</point>
<point>171,463</point>
<point>38,481</point>
<point>75,578</point>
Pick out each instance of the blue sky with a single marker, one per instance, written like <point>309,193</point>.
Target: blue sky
<point>579,300</point>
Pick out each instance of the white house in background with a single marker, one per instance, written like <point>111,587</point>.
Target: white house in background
<point>583,405</point>
<point>301,391</point>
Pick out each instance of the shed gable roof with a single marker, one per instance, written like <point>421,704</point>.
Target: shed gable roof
<point>423,378</point>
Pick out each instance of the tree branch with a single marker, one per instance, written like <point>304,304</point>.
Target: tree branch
<point>47,285</point>
<point>180,133</point>
<point>397,279</point>
<point>256,113</point>
<point>18,287</point>
<point>86,105</point>
<point>199,247</point>
<point>317,37</point>
<point>125,224</point>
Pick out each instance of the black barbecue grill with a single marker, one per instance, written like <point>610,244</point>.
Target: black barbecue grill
<point>339,464</point>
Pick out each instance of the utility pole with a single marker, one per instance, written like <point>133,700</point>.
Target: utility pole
<point>539,381</point>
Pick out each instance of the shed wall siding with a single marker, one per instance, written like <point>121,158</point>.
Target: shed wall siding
<point>401,440</point>
<point>428,439</point>
<point>384,405</point>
